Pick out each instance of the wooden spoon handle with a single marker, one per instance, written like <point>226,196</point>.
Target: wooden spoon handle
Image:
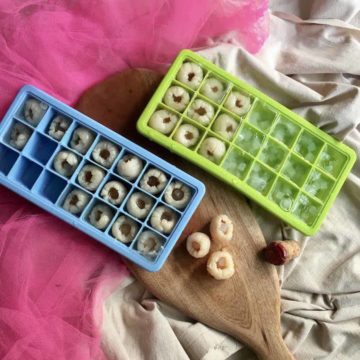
<point>274,348</point>
<point>266,342</point>
<point>278,354</point>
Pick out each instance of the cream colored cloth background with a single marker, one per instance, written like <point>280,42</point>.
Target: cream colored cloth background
<point>311,64</point>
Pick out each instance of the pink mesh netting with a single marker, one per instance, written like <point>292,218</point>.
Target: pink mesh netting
<point>53,278</point>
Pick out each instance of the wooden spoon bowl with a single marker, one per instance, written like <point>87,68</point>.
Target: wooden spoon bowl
<point>247,306</point>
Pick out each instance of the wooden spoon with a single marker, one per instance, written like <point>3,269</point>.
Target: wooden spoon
<point>247,306</point>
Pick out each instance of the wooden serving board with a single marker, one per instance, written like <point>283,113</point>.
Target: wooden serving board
<point>247,306</point>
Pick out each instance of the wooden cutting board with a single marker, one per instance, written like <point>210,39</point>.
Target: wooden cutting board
<point>247,306</point>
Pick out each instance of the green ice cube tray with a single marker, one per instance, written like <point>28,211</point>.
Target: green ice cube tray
<point>275,157</point>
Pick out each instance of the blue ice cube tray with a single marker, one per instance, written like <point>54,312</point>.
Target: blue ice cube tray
<point>30,173</point>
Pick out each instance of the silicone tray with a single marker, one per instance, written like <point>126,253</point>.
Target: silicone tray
<point>30,173</point>
<point>275,157</point>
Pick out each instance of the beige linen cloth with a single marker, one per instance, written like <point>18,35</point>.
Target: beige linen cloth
<point>311,65</point>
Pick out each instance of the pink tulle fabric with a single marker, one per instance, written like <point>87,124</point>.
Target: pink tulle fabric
<point>53,281</point>
<point>54,278</point>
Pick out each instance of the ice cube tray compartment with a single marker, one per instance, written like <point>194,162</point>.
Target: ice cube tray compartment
<point>8,158</point>
<point>272,155</point>
<point>31,172</point>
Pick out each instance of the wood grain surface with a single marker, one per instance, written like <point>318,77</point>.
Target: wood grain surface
<point>247,306</point>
